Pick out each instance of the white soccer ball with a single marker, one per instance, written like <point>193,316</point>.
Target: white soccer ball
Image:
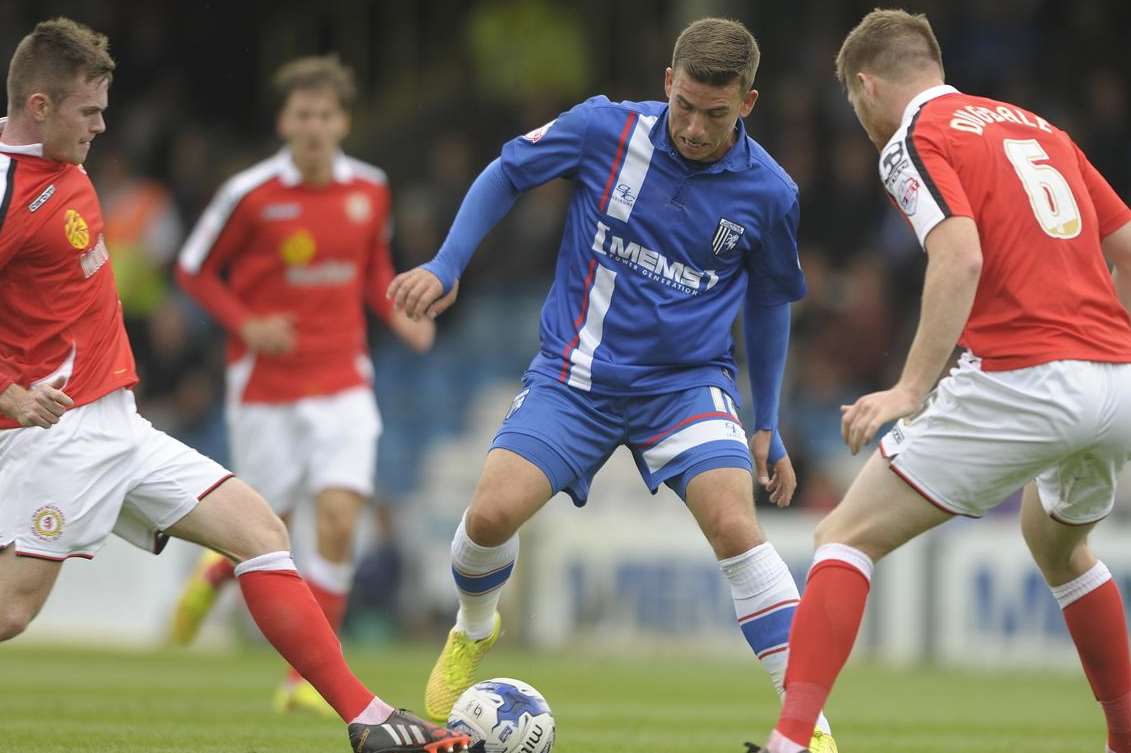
<point>507,715</point>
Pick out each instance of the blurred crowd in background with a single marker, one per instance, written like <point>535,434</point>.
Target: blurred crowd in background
<point>443,83</point>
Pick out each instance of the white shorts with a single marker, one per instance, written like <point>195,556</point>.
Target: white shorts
<point>103,468</point>
<point>292,451</point>
<point>984,434</point>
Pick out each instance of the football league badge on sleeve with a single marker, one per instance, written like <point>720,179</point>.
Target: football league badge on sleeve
<point>727,235</point>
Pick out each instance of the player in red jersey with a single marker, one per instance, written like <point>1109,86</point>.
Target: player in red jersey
<point>77,462</point>
<point>1019,229</point>
<point>285,257</point>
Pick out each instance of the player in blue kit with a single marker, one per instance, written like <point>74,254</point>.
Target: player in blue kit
<point>677,220</point>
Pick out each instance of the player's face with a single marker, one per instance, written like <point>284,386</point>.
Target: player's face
<point>313,124</point>
<point>862,97</point>
<point>69,125</point>
<point>701,117</point>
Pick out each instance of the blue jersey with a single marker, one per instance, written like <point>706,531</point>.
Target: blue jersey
<point>658,252</point>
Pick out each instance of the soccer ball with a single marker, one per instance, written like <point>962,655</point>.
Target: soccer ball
<point>507,716</point>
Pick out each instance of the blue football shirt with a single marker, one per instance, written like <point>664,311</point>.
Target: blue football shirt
<point>658,251</point>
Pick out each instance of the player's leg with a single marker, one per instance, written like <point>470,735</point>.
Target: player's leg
<point>484,550</point>
<point>1090,600</point>
<point>552,439</point>
<point>879,513</point>
<point>262,439</point>
<point>25,583</point>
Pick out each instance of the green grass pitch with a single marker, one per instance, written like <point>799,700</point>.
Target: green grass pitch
<point>58,700</point>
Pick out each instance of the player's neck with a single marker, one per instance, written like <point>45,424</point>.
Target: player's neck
<point>17,132</point>
<point>316,174</point>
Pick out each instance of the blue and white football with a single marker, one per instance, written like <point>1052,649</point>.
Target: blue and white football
<point>506,716</point>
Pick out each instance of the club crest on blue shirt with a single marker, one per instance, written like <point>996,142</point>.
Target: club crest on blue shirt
<point>727,235</point>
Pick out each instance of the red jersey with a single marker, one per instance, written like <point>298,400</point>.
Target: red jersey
<point>1041,208</point>
<point>59,310</point>
<point>271,244</point>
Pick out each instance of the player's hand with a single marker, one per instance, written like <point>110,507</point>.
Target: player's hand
<point>782,483</point>
<point>860,421</point>
<point>42,405</point>
<point>271,335</point>
<point>418,293</point>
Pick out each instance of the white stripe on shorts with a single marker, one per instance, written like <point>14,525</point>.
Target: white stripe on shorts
<point>715,430</point>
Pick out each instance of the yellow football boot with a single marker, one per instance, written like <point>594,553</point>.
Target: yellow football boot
<point>301,697</point>
<point>455,670</point>
<point>196,601</point>
<point>822,742</point>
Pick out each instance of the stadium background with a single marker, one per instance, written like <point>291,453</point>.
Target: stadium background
<point>442,84</point>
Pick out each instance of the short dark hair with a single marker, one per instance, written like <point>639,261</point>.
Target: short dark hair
<point>717,51</point>
<point>52,55</point>
<point>891,44</point>
<point>316,72</point>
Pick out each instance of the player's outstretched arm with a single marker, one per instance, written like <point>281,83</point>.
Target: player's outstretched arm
<point>430,288</point>
<point>43,405</point>
<point>954,266</point>
<point>1117,249</point>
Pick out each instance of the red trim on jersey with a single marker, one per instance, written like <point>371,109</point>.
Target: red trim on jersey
<point>214,487</point>
<point>690,419</point>
<point>922,493</point>
<point>617,160</point>
<point>1064,522</point>
<point>49,558</point>
<point>770,608</point>
<point>580,318</point>
<point>773,651</point>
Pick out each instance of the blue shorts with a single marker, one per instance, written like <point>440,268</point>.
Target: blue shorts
<point>674,436</point>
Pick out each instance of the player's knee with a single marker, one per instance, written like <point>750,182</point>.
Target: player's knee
<point>14,619</point>
<point>490,524</point>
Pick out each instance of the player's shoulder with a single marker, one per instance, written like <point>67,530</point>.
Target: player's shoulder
<point>247,181</point>
<point>602,110</point>
<point>7,187</point>
<point>365,172</point>
<point>778,179</point>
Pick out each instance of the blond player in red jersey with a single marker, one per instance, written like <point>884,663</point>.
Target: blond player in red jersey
<point>77,462</point>
<point>285,258</point>
<point>1019,229</point>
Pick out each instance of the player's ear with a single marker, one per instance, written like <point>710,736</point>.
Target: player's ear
<point>748,103</point>
<point>39,105</point>
<point>668,82</point>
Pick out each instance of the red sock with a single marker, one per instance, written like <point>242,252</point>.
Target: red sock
<point>1099,630</point>
<point>824,631</point>
<point>292,621</point>
<point>333,605</point>
<point>220,572</point>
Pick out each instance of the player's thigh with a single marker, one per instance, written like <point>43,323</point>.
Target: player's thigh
<point>342,432</point>
<point>510,491</point>
<point>235,520</point>
<point>336,512</point>
<point>561,434</point>
<point>722,501</point>
<point>61,489</point>
<point>270,451</point>
<point>1059,549</point>
<point>25,583</point>
<point>879,513</point>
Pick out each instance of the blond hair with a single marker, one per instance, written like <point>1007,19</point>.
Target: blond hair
<point>717,51</point>
<point>52,56</point>
<point>893,44</point>
<point>316,72</point>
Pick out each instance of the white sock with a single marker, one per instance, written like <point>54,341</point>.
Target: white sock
<point>377,712</point>
<point>765,599</point>
<point>780,744</point>
<point>1080,587</point>
<point>480,572</point>
<point>335,577</point>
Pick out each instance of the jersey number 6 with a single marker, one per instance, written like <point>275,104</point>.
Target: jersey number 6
<point>1049,193</point>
